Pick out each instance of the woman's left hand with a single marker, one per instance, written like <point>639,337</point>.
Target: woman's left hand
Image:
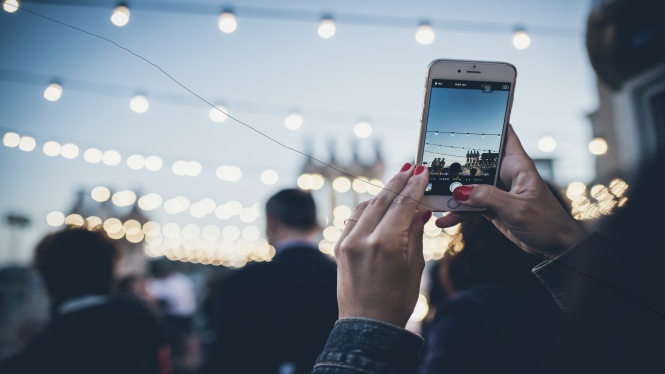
<point>380,252</point>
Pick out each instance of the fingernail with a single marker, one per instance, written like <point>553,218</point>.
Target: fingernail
<point>427,216</point>
<point>405,167</point>
<point>462,193</point>
<point>419,169</point>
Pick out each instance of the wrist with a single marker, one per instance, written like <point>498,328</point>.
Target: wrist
<point>568,237</point>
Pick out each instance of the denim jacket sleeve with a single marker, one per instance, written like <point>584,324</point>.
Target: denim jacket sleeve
<point>363,345</point>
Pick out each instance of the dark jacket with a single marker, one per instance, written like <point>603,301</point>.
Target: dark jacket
<point>120,336</point>
<point>275,314</point>
<point>491,328</point>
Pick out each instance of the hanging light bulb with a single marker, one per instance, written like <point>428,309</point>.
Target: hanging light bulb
<point>10,6</point>
<point>139,104</point>
<point>227,22</point>
<point>218,114</point>
<point>521,39</point>
<point>425,34</point>
<point>327,28</point>
<point>53,92</point>
<point>362,129</point>
<point>120,15</point>
<point>293,121</point>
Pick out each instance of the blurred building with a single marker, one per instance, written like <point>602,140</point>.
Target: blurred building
<point>626,46</point>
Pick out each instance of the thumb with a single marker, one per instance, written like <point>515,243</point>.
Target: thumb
<point>484,196</point>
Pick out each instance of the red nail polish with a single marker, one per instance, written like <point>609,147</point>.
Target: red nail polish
<point>405,167</point>
<point>462,193</point>
<point>419,169</point>
<point>427,216</point>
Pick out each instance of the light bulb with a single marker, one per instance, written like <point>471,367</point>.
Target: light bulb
<point>327,28</point>
<point>227,22</point>
<point>425,34</point>
<point>547,144</point>
<point>598,146</point>
<point>139,104</point>
<point>11,6</point>
<point>521,39</point>
<point>362,129</point>
<point>53,92</point>
<point>218,114</point>
<point>293,121</point>
<point>120,16</point>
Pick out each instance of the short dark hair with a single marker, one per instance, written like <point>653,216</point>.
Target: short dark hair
<point>76,262</point>
<point>294,208</point>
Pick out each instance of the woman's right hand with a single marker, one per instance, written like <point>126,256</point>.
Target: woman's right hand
<point>528,214</point>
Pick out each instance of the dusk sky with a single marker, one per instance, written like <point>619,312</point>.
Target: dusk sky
<point>462,111</point>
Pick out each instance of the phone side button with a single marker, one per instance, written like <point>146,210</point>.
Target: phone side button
<point>453,204</point>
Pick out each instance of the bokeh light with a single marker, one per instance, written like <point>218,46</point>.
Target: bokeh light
<point>211,232</point>
<point>11,139</point>
<point>219,114</point>
<point>341,184</point>
<point>153,163</point>
<point>360,184</point>
<point>27,143</point>
<point>425,34</point>
<point>69,151</point>
<point>547,144</point>
<point>326,28</point>
<point>247,215</point>
<point>342,212</point>
<point>331,233</point>
<point>229,173</point>
<point>55,219</point>
<point>10,6</point>
<point>111,158</point>
<point>233,207</point>
<point>375,186</point>
<point>120,16</point>
<point>193,168</point>
<point>150,201</point>
<point>100,194</point>
<point>227,23</point>
<point>222,213</point>
<point>139,104</point>
<point>135,162</point>
<point>363,129</point>
<point>74,220</point>
<point>53,92</point>
<point>293,121</point>
<point>269,177</point>
<point>575,189</point>
<point>124,198</point>
<point>598,146</point>
<point>92,155</point>
<point>93,223</point>
<point>231,233</point>
<point>521,39</point>
<point>51,148</point>
<point>113,225</point>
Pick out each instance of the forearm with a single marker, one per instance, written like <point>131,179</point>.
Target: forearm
<point>363,345</point>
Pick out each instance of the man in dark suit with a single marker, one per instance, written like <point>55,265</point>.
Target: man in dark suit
<point>90,331</point>
<point>275,317</point>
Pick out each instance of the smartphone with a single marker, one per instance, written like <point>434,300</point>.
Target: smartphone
<point>465,114</point>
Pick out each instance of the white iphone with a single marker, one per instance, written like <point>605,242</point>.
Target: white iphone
<point>465,114</point>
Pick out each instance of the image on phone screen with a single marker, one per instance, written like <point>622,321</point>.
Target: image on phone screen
<point>464,132</point>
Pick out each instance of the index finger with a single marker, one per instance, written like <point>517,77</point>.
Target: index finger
<point>403,207</point>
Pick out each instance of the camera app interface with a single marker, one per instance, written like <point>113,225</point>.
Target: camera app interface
<point>463,137</point>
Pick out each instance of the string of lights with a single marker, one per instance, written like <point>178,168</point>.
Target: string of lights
<point>228,19</point>
<point>450,146</point>
<point>452,133</point>
<point>95,154</point>
<point>445,154</point>
<point>140,99</point>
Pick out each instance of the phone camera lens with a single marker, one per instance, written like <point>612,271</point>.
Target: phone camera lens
<point>474,66</point>
<point>459,71</point>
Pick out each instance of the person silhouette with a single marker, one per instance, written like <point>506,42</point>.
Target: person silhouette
<point>455,168</point>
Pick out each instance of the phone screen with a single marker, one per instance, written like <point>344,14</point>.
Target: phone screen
<point>464,132</point>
